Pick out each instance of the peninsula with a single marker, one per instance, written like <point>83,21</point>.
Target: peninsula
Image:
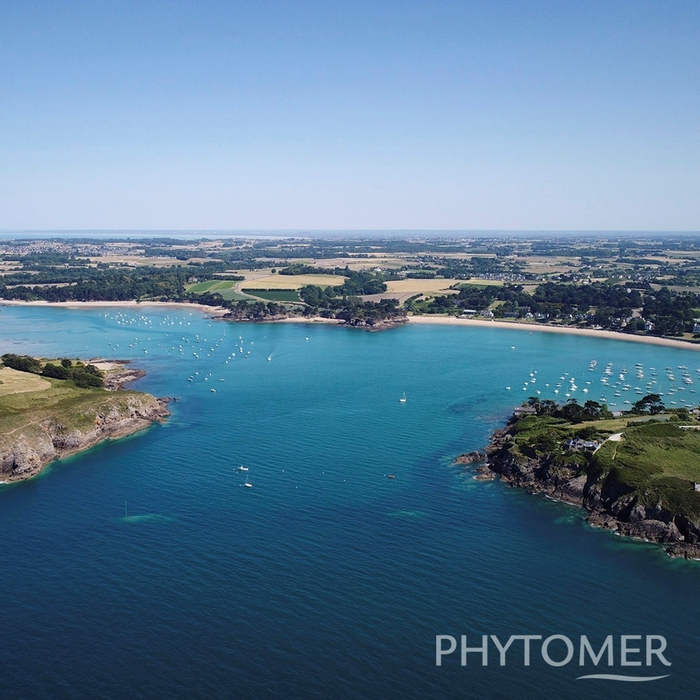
<point>54,408</point>
<point>637,474</point>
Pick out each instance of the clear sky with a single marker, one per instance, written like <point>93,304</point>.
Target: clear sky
<point>406,114</point>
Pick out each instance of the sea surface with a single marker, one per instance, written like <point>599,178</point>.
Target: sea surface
<point>144,568</point>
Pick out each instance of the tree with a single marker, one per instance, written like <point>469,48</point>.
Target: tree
<point>22,363</point>
<point>56,371</point>
<point>651,403</point>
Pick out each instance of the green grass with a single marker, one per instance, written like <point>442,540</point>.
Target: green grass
<point>60,401</point>
<point>658,461</point>
<point>275,294</point>
<point>660,449</point>
<point>226,288</point>
<point>617,425</point>
<point>212,286</point>
<point>232,295</point>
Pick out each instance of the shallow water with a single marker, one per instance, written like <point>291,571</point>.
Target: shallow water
<point>326,578</point>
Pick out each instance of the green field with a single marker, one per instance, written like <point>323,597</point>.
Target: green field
<point>211,286</point>
<point>654,451</point>
<point>226,288</point>
<point>37,399</point>
<point>274,294</point>
<point>658,463</point>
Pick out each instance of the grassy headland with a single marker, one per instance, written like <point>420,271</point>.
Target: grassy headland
<point>637,474</point>
<point>43,417</point>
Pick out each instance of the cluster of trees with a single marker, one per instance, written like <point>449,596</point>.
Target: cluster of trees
<point>672,312</point>
<point>356,312</point>
<point>572,410</point>
<point>82,375</point>
<point>464,269</point>
<point>351,309</point>
<point>358,282</point>
<point>601,304</point>
<point>47,260</point>
<point>255,311</point>
<point>98,284</point>
<point>651,404</point>
<point>22,363</point>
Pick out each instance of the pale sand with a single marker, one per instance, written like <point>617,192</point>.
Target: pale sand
<point>211,310</point>
<point>610,335</point>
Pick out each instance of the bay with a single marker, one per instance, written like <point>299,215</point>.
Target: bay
<point>326,578</point>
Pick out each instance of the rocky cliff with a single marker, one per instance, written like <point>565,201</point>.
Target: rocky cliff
<point>35,445</point>
<point>608,505</point>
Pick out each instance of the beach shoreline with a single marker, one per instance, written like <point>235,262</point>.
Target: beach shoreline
<point>533,327</point>
<point>211,310</point>
<point>220,311</point>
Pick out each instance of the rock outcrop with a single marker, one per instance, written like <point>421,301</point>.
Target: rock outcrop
<point>39,443</point>
<point>610,506</point>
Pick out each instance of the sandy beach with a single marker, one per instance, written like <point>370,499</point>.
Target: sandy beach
<point>211,310</point>
<point>532,327</point>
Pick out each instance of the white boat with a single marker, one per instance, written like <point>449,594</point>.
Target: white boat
<point>242,468</point>
<point>403,398</point>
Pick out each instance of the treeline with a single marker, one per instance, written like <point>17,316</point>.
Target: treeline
<point>358,282</point>
<point>47,260</point>
<point>97,284</point>
<point>572,410</point>
<point>317,302</point>
<point>82,375</point>
<point>326,302</point>
<point>672,312</point>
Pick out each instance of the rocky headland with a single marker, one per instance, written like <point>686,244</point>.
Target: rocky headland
<point>608,503</point>
<point>29,441</point>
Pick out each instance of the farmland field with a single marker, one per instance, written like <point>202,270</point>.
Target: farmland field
<point>224,287</point>
<point>292,281</point>
<point>419,286</point>
<point>274,294</point>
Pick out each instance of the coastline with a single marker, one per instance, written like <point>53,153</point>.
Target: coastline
<point>118,413</point>
<point>606,506</point>
<point>532,327</point>
<point>220,312</point>
<point>214,311</point>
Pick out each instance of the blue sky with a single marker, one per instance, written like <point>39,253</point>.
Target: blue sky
<point>348,115</point>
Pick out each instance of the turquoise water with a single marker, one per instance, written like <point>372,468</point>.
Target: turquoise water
<point>326,579</point>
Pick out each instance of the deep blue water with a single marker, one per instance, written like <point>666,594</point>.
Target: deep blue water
<point>326,579</point>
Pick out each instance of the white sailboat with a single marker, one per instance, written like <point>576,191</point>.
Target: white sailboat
<point>403,398</point>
